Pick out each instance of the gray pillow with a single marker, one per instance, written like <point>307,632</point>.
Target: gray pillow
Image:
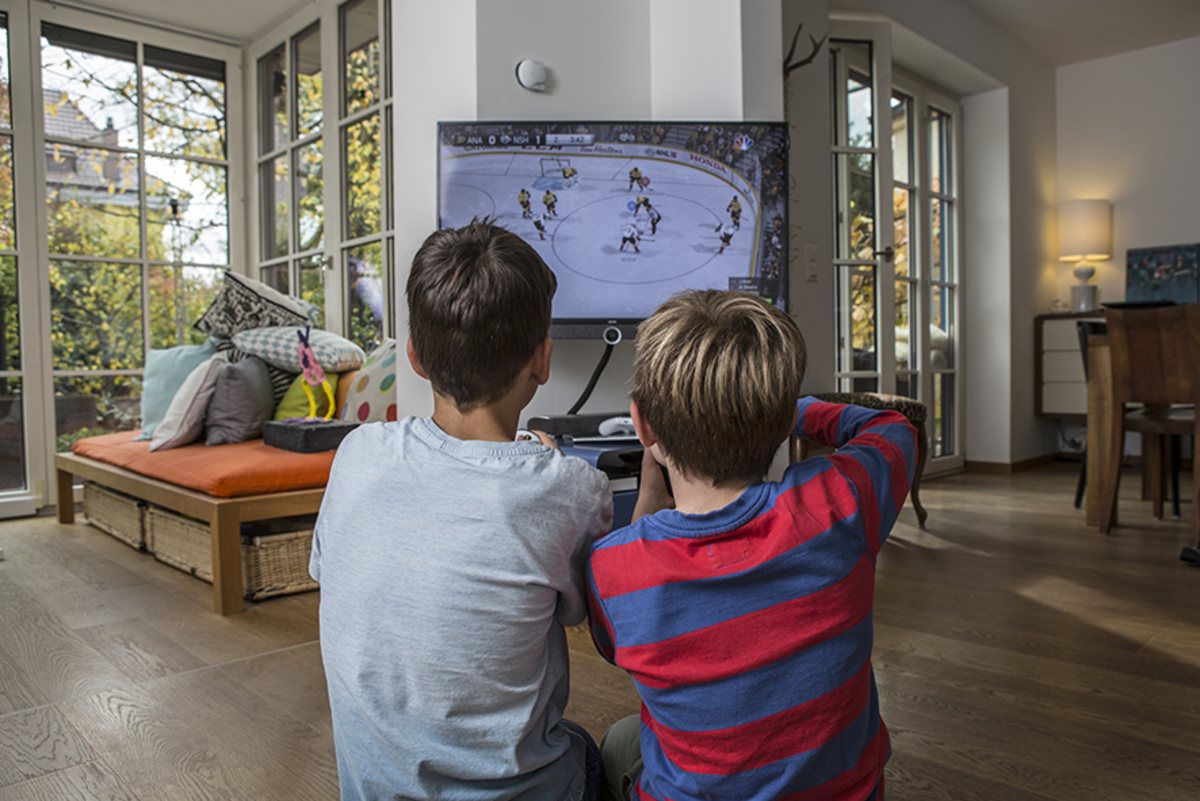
<point>242,400</point>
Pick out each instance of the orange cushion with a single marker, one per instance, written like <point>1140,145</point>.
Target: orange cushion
<point>224,471</point>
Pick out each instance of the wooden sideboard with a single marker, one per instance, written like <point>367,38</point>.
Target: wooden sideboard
<point>1060,388</point>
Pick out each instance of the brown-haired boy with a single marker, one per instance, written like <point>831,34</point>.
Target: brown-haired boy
<point>451,557</point>
<point>742,607</point>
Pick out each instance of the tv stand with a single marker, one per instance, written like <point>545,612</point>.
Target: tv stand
<point>572,425</point>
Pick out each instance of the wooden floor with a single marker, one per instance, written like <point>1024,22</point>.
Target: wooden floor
<point>1019,655</point>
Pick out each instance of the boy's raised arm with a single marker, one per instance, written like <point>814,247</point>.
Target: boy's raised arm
<point>876,452</point>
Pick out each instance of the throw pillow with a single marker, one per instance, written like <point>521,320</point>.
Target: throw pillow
<point>277,346</point>
<point>242,400</point>
<point>372,396</point>
<point>244,304</point>
<point>166,370</point>
<point>295,402</point>
<point>184,421</point>
<point>344,382</point>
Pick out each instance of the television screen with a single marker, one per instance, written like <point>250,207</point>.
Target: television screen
<point>627,213</point>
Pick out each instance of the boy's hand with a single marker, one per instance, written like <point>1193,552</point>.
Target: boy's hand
<point>653,493</point>
<point>547,440</point>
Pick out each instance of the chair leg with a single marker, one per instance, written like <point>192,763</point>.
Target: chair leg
<point>1176,466</point>
<point>1111,481</point>
<point>915,490</point>
<point>1195,539</point>
<point>1082,488</point>
<point>1152,452</point>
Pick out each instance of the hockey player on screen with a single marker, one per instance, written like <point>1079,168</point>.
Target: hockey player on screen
<point>735,212</point>
<point>523,199</point>
<point>550,199</point>
<point>539,222</point>
<point>654,218</point>
<point>635,178</point>
<point>569,174</point>
<point>631,235</point>
<point>642,200</point>
<point>726,237</point>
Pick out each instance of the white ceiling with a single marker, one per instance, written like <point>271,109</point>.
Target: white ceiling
<point>1059,31</point>
<point>237,21</point>
<point>1070,31</point>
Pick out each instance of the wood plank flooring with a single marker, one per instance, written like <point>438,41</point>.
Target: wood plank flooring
<point>1019,655</point>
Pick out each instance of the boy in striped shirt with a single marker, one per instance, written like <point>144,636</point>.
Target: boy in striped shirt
<point>742,607</point>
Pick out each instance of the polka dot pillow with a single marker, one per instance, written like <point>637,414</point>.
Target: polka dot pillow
<point>372,396</point>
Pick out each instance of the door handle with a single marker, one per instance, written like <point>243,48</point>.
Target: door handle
<point>887,253</point>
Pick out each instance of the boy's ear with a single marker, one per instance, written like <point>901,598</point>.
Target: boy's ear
<point>413,360</point>
<point>541,361</point>
<point>645,434</point>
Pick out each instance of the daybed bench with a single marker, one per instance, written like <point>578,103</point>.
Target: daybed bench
<point>225,485</point>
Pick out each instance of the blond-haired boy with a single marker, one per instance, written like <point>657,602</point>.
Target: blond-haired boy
<point>742,607</point>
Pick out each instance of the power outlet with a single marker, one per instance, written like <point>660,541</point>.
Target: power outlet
<point>810,264</point>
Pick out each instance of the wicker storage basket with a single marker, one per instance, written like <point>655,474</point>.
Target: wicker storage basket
<point>119,515</point>
<point>275,553</point>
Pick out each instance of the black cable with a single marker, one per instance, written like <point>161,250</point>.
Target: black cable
<point>587,391</point>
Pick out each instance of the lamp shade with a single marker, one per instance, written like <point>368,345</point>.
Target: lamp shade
<point>1084,230</point>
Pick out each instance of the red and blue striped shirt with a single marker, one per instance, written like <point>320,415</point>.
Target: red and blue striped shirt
<point>748,631</point>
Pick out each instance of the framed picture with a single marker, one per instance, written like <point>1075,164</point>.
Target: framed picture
<point>1163,273</point>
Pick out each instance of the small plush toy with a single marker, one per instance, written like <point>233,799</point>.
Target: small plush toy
<point>313,376</point>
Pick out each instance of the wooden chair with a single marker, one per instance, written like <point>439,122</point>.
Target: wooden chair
<point>1155,357</point>
<point>912,409</point>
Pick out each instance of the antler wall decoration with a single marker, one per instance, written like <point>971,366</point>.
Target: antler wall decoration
<point>788,69</point>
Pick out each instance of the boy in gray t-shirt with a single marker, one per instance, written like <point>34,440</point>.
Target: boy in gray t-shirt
<point>451,557</point>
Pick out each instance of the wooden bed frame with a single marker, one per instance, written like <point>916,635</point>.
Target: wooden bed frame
<point>224,515</point>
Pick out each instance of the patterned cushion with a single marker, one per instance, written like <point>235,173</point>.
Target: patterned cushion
<point>277,346</point>
<point>244,304</point>
<point>372,396</point>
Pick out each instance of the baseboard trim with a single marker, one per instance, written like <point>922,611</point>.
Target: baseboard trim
<point>1005,468</point>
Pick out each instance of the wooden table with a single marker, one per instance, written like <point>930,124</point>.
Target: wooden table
<point>224,515</point>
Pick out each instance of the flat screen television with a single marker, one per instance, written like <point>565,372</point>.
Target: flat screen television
<point>627,213</point>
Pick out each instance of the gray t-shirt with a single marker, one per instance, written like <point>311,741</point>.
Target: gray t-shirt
<point>448,570</point>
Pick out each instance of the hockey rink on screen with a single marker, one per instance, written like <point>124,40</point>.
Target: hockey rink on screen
<point>582,243</point>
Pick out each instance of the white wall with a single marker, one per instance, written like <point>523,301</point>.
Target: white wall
<point>445,93</point>
<point>1127,131</point>
<point>987,219</point>
<point>810,205</point>
<point>599,57</point>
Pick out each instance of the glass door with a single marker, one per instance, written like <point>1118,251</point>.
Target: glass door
<point>928,265</point>
<point>19,376</point>
<point>864,251</point>
<point>897,256</point>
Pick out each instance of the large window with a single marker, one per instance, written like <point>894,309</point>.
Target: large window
<point>324,177</point>
<point>291,167</point>
<point>136,193</point>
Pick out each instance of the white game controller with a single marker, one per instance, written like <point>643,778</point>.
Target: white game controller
<point>618,427</point>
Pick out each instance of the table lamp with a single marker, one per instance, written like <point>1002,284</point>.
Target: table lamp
<point>1084,235</point>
